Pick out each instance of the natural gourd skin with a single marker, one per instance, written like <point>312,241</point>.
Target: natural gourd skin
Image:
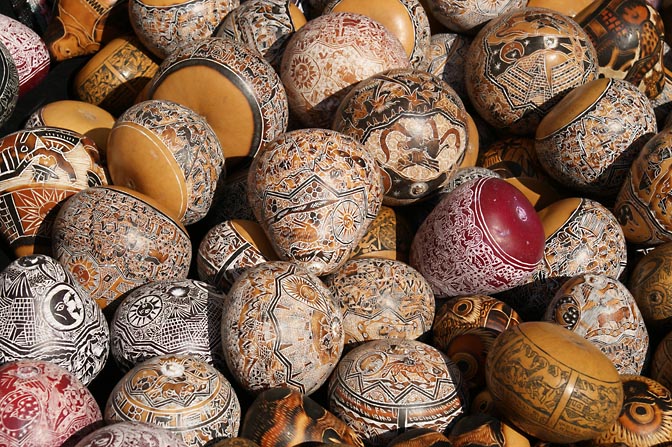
<point>538,372</point>
<point>79,27</point>
<point>216,76</point>
<point>281,416</point>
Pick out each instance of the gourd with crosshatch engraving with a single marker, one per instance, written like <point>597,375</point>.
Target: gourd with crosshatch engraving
<point>130,433</point>
<point>381,298</point>
<point>180,393</point>
<point>230,247</point>
<point>643,201</point>
<point>582,236</point>
<point>163,26</point>
<point>130,240</point>
<point>522,63</point>
<point>467,17</point>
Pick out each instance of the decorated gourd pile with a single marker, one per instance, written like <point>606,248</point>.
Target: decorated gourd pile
<point>272,223</point>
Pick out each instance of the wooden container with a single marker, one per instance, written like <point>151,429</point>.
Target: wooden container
<point>129,240</point>
<point>547,55</point>
<point>552,383</point>
<point>40,169</point>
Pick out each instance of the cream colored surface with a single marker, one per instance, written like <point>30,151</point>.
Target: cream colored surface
<point>391,13</point>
